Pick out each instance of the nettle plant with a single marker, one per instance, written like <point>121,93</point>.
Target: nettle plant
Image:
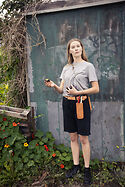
<point>20,158</point>
<point>3,93</point>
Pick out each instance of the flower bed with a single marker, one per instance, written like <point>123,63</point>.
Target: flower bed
<point>20,158</point>
<point>40,161</point>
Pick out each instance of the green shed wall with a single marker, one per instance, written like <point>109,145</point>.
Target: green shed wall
<point>102,31</point>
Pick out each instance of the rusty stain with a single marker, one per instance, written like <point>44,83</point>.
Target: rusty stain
<point>118,118</point>
<point>65,32</point>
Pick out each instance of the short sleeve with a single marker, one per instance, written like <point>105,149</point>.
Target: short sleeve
<point>92,73</point>
<point>62,74</point>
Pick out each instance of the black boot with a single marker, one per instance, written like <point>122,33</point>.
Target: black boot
<point>87,176</point>
<point>75,169</point>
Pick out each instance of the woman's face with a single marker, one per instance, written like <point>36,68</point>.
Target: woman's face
<point>75,49</point>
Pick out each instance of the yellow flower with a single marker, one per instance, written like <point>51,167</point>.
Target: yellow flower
<point>6,145</point>
<point>102,158</point>
<point>117,146</point>
<point>6,86</point>
<point>25,144</point>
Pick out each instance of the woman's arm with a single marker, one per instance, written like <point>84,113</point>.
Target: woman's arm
<point>51,84</point>
<point>59,89</point>
<point>94,89</point>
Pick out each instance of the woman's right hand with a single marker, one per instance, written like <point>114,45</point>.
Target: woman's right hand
<point>49,83</point>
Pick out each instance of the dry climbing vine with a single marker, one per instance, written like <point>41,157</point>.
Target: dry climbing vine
<point>13,64</point>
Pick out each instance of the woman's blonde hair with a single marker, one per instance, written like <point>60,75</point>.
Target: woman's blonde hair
<point>69,55</point>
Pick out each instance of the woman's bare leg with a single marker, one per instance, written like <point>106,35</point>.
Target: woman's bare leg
<point>75,147</point>
<point>85,149</point>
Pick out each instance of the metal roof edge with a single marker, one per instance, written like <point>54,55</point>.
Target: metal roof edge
<point>84,5</point>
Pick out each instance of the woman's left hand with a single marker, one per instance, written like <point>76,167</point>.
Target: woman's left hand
<point>72,91</point>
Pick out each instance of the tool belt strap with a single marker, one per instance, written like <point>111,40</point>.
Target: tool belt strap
<point>83,98</point>
<point>76,98</point>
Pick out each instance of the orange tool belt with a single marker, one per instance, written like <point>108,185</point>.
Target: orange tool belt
<point>83,98</point>
<point>79,105</point>
<point>76,98</point>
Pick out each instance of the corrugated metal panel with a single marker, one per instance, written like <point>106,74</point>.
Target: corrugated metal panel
<point>102,32</point>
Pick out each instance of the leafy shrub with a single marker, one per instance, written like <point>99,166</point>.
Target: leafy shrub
<point>3,93</point>
<point>20,158</point>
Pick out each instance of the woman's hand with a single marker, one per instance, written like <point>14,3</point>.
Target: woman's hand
<point>49,83</point>
<point>72,90</point>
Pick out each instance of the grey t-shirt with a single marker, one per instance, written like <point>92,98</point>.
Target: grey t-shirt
<point>79,74</point>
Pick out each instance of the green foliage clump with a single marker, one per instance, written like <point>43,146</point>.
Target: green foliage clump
<point>14,6</point>
<point>9,87</point>
<point>20,159</point>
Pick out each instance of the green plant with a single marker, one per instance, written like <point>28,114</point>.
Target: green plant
<point>3,93</point>
<point>20,158</point>
<point>10,85</point>
<point>121,148</point>
<point>120,174</point>
<point>11,141</point>
<point>107,172</point>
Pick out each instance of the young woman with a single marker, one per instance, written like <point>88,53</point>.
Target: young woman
<point>75,79</point>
